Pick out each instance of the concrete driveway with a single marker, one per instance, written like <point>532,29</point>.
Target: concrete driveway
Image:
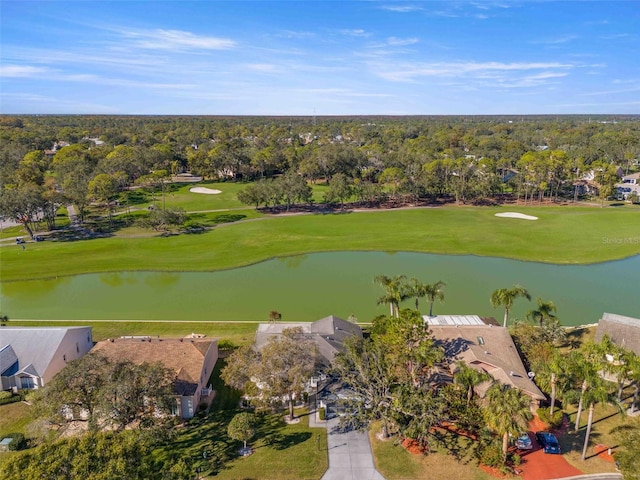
<point>350,456</point>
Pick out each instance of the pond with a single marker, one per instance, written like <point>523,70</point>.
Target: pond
<point>308,287</point>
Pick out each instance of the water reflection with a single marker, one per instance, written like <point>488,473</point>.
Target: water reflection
<point>309,287</point>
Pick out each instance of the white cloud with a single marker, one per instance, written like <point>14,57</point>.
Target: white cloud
<point>395,42</point>
<point>358,32</point>
<point>161,39</point>
<point>409,71</point>
<point>300,35</point>
<point>555,40</point>
<point>21,71</point>
<point>262,67</point>
<point>401,8</point>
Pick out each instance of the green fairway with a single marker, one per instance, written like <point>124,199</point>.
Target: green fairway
<point>239,333</point>
<point>179,195</point>
<point>562,235</point>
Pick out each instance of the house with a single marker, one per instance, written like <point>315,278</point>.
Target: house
<point>628,185</point>
<point>484,346</point>
<point>626,190</point>
<point>191,359</point>
<point>633,179</point>
<point>623,331</point>
<point>329,335</point>
<point>31,356</point>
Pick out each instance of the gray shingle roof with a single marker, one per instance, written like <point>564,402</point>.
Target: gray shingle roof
<point>329,334</point>
<point>35,346</point>
<point>7,358</point>
<point>623,331</point>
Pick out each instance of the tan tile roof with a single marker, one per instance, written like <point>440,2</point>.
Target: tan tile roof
<point>489,348</point>
<point>184,356</point>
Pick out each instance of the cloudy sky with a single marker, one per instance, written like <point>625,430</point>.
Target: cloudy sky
<point>328,57</point>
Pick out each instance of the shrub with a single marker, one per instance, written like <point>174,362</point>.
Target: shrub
<point>7,398</point>
<point>553,421</point>
<point>322,413</point>
<point>19,441</point>
<point>491,456</point>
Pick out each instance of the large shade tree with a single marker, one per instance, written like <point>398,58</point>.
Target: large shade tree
<point>279,370</point>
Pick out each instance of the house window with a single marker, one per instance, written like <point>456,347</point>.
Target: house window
<point>190,407</point>
<point>27,382</point>
<point>175,409</point>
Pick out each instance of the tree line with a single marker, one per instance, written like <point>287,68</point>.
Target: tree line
<point>366,159</point>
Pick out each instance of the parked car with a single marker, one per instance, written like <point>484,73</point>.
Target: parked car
<point>549,442</point>
<point>523,442</point>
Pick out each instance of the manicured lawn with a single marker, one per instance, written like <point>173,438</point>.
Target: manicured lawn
<point>395,463</point>
<point>239,333</point>
<point>14,418</point>
<point>288,452</point>
<point>179,195</point>
<point>605,420</point>
<point>561,235</point>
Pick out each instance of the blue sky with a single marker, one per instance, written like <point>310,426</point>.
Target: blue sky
<point>331,57</point>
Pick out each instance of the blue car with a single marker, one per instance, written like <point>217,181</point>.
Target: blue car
<point>549,442</point>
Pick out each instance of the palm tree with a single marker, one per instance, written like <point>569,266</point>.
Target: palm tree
<point>395,292</point>
<point>634,376</point>
<point>507,412</point>
<point>434,292</point>
<point>554,375</point>
<point>544,312</point>
<point>584,365</point>
<point>504,297</point>
<point>469,378</point>
<point>597,393</point>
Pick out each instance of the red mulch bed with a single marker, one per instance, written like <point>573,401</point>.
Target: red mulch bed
<point>494,472</point>
<point>602,451</point>
<point>414,447</point>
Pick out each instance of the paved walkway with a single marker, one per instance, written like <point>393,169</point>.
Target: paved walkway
<point>350,456</point>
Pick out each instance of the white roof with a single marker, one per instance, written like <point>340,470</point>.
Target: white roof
<point>443,320</point>
<point>35,346</point>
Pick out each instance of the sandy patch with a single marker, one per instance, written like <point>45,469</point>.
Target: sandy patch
<point>516,215</point>
<point>205,190</point>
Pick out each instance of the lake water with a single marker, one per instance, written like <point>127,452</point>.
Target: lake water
<point>305,288</point>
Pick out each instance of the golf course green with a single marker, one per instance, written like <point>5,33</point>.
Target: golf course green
<point>564,256</point>
<point>561,235</point>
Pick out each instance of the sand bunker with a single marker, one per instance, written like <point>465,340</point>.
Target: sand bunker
<point>516,215</point>
<point>205,190</point>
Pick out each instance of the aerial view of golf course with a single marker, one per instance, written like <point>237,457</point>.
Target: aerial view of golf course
<point>400,241</point>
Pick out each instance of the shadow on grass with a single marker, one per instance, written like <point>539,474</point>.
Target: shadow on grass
<point>226,218</point>
<point>96,227</point>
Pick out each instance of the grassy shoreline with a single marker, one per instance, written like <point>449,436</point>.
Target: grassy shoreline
<point>562,235</point>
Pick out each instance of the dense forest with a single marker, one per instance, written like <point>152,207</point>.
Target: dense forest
<point>49,161</point>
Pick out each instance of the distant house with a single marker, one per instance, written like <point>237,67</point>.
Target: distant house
<point>31,356</point>
<point>633,179</point>
<point>192,360</point>
<point>628,185</point>
<point>329,335</point>
<point>623,331</point>
<point>484,346</point>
